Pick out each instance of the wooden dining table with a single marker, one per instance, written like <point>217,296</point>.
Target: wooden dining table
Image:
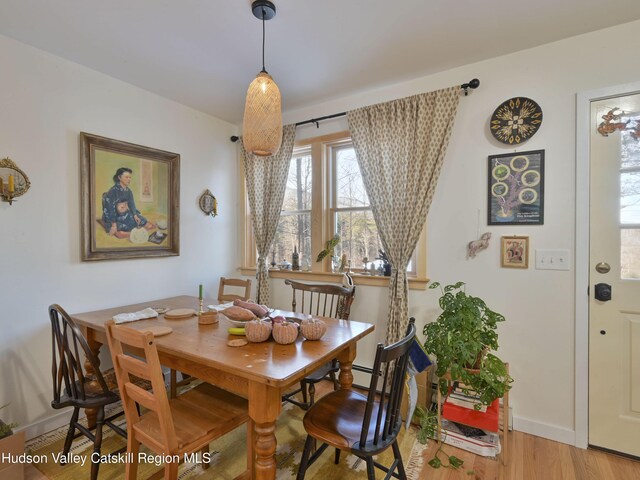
<point>260,372</point>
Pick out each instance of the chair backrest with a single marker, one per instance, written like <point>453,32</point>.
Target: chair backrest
<point>325,300</point>
<point>233,282</point>
<point>382,420</point>
<point>68,346</point>
<point>146,366</point>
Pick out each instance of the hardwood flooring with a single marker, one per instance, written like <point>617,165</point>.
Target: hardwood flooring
<point>530,458</point>
<point>535,458</point>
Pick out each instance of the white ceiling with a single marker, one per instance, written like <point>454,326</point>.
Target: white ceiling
<point>204,53</point>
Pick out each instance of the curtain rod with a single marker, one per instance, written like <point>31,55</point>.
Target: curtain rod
<point>473,84</point>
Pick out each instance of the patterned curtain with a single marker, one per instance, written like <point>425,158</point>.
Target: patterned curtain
<point>266,181</point>
<point>400,147</point>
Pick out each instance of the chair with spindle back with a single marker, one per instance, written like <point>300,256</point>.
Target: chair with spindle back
<point>171,427</point>
<point>324,300</point>
<point>364,425</point>
<point>73,388</point>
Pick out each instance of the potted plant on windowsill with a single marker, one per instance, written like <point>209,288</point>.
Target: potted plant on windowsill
<point>13,444</point>
<point>462,340</point>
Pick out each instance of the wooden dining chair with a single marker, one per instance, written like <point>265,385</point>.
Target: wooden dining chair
<point>364,425</point>
<point>185,424</point>
<point>72,387</point>
<point>233,282</point>
<point>222,297</point>
<point>324,300</point>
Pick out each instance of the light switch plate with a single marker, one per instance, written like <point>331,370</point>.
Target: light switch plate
<point>552,259</point>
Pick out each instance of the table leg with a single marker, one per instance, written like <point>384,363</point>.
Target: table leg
<point>94,346</point>
<point>346,358</point>
<point>264,408</point>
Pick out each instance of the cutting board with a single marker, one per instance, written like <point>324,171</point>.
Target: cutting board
<point>179,313</point>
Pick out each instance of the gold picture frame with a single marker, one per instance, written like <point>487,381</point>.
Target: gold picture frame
<point>514,252</point>
<point>130,200</point>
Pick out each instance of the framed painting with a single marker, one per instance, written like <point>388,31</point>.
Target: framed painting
<point>514,252</point>
<point>129,200</point>
<point>516,188</point>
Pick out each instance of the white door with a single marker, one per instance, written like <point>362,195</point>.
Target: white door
<point>614,325</point>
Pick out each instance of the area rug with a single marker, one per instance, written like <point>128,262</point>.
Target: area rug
<point>228,457</point>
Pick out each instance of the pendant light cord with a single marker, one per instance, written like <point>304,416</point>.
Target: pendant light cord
<point>263,36</point>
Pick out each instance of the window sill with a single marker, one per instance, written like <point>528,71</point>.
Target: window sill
<point>414,283</point>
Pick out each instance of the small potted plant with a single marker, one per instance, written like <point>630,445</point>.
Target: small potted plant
<point>462,339</point>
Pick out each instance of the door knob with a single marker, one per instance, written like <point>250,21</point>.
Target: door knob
<point>603,267</point>
<point>603,292</point>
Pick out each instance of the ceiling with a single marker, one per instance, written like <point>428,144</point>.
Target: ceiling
<point>204,53</point>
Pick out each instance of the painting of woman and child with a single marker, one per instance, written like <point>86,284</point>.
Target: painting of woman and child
<point>132,195</point>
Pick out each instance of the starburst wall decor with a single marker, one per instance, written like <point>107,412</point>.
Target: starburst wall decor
<point>516,120</point>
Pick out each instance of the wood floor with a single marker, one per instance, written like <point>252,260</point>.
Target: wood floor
<point>535,458</point>
<point>531,458</point>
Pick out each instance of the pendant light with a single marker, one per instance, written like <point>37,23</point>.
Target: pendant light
<point>262,124</point>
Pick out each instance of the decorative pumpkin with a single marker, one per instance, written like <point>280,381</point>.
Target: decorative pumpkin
<point>285,332</point>
<point>313,329</point>
<point>257,330</point>
<point>239,314</point>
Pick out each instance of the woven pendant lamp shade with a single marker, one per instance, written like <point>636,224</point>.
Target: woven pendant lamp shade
<point>262,125</point>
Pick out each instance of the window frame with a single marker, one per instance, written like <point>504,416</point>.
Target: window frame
<point>322,220</point>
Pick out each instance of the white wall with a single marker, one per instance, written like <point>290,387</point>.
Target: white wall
<point>538,337</point>
<point>44,103</point>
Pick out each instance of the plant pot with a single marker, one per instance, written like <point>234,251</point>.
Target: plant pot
<point>12,445</point>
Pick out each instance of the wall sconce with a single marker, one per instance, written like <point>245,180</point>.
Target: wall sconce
<point>13,181</point>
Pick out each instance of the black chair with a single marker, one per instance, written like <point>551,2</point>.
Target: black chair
<point>363,425</point>
<point>72,388</point>
<point>324,300</point>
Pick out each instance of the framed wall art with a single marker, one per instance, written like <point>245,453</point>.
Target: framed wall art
<point>129,200</point>
<point>514,252</point>
<point>516,188</point>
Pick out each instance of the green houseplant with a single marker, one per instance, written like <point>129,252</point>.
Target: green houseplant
<point>462,339</point>
<point>6,429</point>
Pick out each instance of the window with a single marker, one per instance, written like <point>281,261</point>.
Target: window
<point>294,227</point>
<point>630,203</point>
<point>325,195</point>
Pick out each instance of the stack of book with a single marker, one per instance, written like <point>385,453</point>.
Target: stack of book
<point>463,397</point>
<point>474,440</point>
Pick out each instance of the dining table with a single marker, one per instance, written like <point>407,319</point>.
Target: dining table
<point>260,372</point>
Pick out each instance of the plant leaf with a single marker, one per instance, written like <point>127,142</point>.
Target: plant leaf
<point>455,461</point>
<point>321,255</point>
<point>435,462</point>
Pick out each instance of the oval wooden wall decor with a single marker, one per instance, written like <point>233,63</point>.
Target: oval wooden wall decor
<point>516,120</point>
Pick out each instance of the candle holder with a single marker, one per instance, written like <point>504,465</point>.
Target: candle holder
<point>13,181</point>
<point>206,318</point>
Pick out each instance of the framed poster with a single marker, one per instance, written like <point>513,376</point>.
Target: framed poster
<point>516,188</point>
<point>514,252</point>
<point>129,200</point>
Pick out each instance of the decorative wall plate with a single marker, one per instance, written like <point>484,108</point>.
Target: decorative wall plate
<point>516,120</point>
<point>208,203</point>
